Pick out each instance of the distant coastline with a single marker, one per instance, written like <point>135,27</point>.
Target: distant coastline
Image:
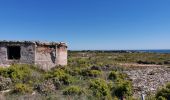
<point>167,51</point>
<point>155,51</point>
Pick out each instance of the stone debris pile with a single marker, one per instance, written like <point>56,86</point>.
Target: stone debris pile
<point>148,80</point>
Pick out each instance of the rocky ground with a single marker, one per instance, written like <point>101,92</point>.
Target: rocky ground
<point>148,79</point>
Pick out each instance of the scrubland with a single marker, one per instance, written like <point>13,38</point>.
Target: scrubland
<point>89,75</point>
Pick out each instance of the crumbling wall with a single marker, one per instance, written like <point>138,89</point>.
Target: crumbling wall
<point>3,55</point>
<point>27,54</point>
<point>45,57</point>
<point>61,55</point>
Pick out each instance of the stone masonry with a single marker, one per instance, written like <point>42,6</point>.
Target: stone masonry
<point>45,55</point>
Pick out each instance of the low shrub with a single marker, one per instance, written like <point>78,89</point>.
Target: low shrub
<point>99,88</point>
<point>96,68</point>
<point>45,87</point>
<point>91,73</point>
<point>82,62</point>
<point>95,73</point>
<point>166,62</point>
<point>113,75</point>
<point>73,90</point>
<point>122,88</point>
<point>164,93</point>
<point>16,72</point>
<point>61,75</point>
<point>57,83</point>
<point>22,88</point>
<point>145,62</point>
<point>161,98</point>
<point>75,71</point>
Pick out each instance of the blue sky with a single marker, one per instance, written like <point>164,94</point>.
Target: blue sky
<point>88,24</point>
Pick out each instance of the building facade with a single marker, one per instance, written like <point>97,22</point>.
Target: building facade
<point>45,55</point>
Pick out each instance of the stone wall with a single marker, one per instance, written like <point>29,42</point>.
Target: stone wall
<point>61,55</point>
<point>27,52</point>
<point>45,57</point>
<point>48,57</point>
<point>3,55</point>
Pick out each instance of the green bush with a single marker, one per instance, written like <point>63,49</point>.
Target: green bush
<point>73,90</point>
<point>113,75</point>
<point>99,88</point>
<point>83,62</point>
<point>95,73</point>
<point>122,88</point>
<point>145,62</point>
<point>168,85</point>
<point>75,71</point>
<point>16,72</point>
<point>161,98</point>
<point>91,73</point>
<point>22,88</point>
<point>61,75</point>
<point>164,93</point>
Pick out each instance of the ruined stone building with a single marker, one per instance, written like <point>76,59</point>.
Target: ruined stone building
<point>45,55</point>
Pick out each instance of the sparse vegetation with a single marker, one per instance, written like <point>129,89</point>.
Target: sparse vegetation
<point>73,90</point>
<point>16,72</point>
<point>91,73</point>
<point>61,75</point>
<point>22,88</point>
<point>113,75</point>
<point>88,76</point>
<point>100,88</point>
<point>164,93</point>
<point>122,89</point>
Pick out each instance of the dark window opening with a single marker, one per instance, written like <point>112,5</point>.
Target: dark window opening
<point>14,52</point>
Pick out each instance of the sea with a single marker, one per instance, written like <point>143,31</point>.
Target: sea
<point>165,51</point>
<point>155,51</point>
